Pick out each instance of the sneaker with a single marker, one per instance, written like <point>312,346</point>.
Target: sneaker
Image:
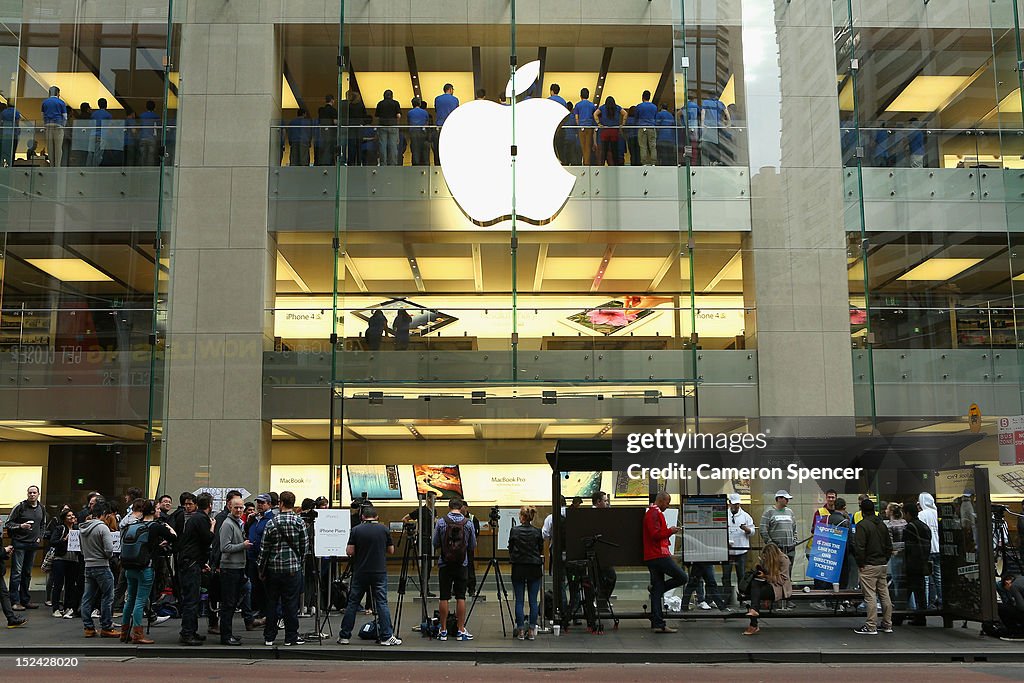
<point>95,614</point>
<point>790,604</point>
<point>820,606</point>
<point>704,605</point>
<point>17,607</point>
<point>30,605</point>
<point>885,628</point>
<point>666,629</point>
<point>464,635</point>
<point>69,613</point>
<point>317,635</point>
<point>866,630</point>
<point>268,643</point>
<point>531,634</point>
<point>1016,638</point>
<point>345,641</point>
<point>48,603</point>
<point>442,635</point>
<point>751,631</point>
<point>58,614</point>
<point>280,624</point>
<point>159,619</point>
<point>390,642</point>
<point>520,634</point>
<point>16,622</point>
<point>118,615</point>
<point>298,641</point>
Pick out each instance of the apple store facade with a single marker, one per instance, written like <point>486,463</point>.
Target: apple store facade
<point>387,246</point>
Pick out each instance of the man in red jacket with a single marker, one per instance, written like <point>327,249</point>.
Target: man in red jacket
<point>659,560</point>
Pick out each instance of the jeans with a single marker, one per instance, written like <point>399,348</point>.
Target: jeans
<point>65,584</point>
<point>378,590</point>
<point>388,137</point>
<point>935,580</point>
<point>21,573</point>
<point>5,597</point>
<point>99,583</point>
<point>873,583</point>
<point>896,576</point>
<point>189,578</point>
<point>738,564</point>
<point>232,585</point>
<point>659,568</point>
<point>521,590</point>
<point>139,583</point>
<point>283,588</point>
<point>705,571</point>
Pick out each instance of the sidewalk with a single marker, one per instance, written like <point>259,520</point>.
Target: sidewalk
<point>703,641</point>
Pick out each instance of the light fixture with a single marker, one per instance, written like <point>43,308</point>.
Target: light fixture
<point>652,396</point>
<point>59,431</point>
<point>927,93</point>
<point>549,398</point>
<point>376,398</point>
<point>938,269</point>
<point>69,269</point>
<point>479,398</point>
<point>81,86</point>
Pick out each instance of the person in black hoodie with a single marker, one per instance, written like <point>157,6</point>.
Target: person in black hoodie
<point>917,539</point>
<point>13,620</point>
<point>872,546</point>
<point>525,552</point>
<point>186,506</point>
<point>193,558</point>
<point>66,563</point>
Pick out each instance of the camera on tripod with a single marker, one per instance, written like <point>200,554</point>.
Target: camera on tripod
<point>494,516</point>
<point>998,512</point>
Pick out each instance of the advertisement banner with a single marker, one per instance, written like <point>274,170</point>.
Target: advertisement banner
<point>1011,440</point>
<point>330,533</point>
<point>827,551</point>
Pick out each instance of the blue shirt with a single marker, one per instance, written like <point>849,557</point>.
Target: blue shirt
<point>10,117</point>
<point>916,142</point>
<point>444,105</point>
<point>646,112</point>
<point>300,131</point>
<point>557,98</point>
<point>149,121</point>
<point>692,114</point>
<point>439,533</point>
<point>609,116</point>
<point>584,110</point>
<point>665,123</point>
<point>418,117</point>
<point>54,110</point>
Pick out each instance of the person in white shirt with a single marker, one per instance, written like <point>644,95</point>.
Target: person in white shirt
<point>741,528</point>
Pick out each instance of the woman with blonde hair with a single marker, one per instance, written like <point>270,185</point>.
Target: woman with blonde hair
<point>771,582</point>
<point>525,552</point>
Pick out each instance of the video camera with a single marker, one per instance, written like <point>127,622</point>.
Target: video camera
<point>998,511</point>
<point>494,515</point>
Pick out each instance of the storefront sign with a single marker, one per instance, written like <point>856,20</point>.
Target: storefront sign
<point>305,481</point>
<point>827,552</point>
<point>330,533</point>
<point>1011,440</point>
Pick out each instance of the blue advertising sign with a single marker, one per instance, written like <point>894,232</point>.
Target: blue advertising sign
<point>827,551</point>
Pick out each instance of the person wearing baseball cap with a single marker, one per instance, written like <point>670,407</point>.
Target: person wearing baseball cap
<point>778,525</point>
<point>741,528</point>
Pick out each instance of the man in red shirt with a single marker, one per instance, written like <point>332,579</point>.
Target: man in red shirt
<point>659,560</point>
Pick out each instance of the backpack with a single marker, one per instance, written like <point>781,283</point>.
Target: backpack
<point>453,544</point>
<point>368,631</point>
<point>135,550</point>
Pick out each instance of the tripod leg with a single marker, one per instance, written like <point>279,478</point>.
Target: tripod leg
<point>479,588</point>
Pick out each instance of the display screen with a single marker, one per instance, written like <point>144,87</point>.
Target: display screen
<point>443,480</point>
<point>380,482</point>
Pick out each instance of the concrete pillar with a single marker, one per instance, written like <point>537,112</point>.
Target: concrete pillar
<point>797,242</point>
<point>222,258</point>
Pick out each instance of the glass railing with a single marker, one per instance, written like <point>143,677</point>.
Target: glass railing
<point>76,347</point>
<point>605,343</point>
<point>307,143</point>
<point>935,328</point>
<point>85,144</point>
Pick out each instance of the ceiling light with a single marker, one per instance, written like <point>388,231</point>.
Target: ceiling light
<point>584,430</point>
<point>928,93</point>
<point>77,87</point>
<point>381,431</point>
<point>59,431</point>
<point>627,88</point>
<point>69,269</point>
<point>937,269</point>
<point>432,84</point>
<point>1011,103</point>
<point>447,431</point>
<point>288,98</point>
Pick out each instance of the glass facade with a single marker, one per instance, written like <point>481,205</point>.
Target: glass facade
<point>244,247</point>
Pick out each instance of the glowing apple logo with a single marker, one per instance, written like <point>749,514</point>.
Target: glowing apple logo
<point>476,156</point>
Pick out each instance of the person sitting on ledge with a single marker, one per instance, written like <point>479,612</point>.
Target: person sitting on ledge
<point>771,582</point>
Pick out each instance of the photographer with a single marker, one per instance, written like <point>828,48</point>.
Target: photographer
<point>609,577</point>
<point>423,517</point>
<point>525,552</point>
<point>1011,607</point>
<point>368,545</point>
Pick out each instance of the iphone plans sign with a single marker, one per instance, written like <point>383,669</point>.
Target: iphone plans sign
<point>476,156</point>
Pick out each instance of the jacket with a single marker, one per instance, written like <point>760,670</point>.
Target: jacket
<point>21,513</point>
<point>930,515</point>
<point>231,545</point>
<point>872,545</point>
<point>739,540</point>
<point>215,547</point>
<point>97,543</point>
<point>917,540</point>
<point>525,545</point>
<point>194,545</point>
<point>784,587</point>
<point>59,542</point>
<point>656,534</point>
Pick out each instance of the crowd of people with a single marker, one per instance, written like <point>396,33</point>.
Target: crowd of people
<point>592,133</point>
<point>257,560</point>
<point>85,136</point>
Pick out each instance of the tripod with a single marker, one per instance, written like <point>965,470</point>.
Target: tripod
<point>409,556</point>
<point>499,584</point>
<point>586,579</point>
<point>323,615</point>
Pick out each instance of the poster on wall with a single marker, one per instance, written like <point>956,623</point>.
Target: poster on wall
<point>444,480</point>
<point>379,482</point>
<point>582,484</point>
<point>1011,440</point>
<point>618,316</point>
<point>305,481</point>
<point>14,481</point>
<point>625,487</point>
